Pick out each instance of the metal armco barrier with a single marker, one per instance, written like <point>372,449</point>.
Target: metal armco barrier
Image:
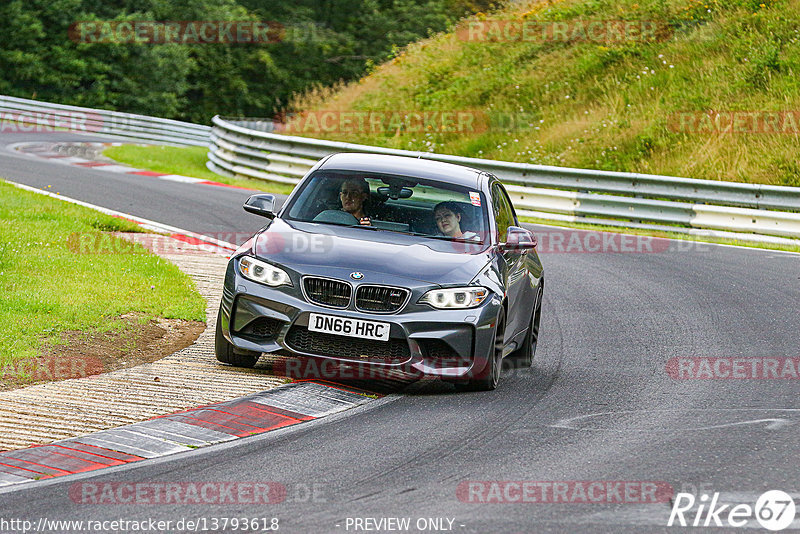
<point>33,116</point>
<point>564,194</point>
<point>249,148</point>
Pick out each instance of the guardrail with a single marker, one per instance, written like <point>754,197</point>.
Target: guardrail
<point>33,115</point>
<point>575,195</point>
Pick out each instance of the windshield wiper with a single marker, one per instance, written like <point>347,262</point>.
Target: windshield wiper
<point>444,237</point>
<point>369,227</point>
<point>345,225</point>
<point>404,232</point>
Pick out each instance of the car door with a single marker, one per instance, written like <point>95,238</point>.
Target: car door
<point>513,265</point>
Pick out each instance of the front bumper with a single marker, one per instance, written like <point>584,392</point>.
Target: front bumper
<point>446,343</point>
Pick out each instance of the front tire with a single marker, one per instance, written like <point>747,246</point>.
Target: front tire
<point>224,351</point>
<point>491,375</point>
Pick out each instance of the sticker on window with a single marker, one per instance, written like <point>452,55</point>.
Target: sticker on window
<point>475,198</point>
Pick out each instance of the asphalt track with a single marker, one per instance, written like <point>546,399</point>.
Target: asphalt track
<point>611,323</point>
<point>204,209</point>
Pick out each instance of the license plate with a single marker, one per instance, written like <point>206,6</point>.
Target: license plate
<point>345,326</point>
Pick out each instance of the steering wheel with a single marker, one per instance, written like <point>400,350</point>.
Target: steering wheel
<point>336,217</point>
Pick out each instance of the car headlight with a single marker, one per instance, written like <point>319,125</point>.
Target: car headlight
<point>456,297</point>
<point>263,272</point>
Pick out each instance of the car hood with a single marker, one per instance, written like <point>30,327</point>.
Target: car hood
<point>328,248</point>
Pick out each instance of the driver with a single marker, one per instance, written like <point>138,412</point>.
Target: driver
<point>354,194</point>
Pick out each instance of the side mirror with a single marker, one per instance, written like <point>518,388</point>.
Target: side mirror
<point>518,239</point>
<point>263,205</point>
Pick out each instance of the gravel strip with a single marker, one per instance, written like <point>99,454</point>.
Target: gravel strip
<point>189,378</point>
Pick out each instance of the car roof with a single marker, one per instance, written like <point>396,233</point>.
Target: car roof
<point>404,166</point>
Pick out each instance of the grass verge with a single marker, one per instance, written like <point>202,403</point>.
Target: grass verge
<point>186,161</point>
<point>660,104</point>
<point>47,288</point>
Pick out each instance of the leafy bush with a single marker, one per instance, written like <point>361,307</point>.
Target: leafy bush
<point>324,42</point>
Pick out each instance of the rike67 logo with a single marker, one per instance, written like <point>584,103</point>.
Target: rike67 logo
<point>773,510</point>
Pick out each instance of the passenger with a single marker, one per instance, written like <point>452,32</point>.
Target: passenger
<point>448,217</point>
<point>354,195</point>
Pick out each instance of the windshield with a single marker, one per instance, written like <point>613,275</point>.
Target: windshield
<point>392,203</point>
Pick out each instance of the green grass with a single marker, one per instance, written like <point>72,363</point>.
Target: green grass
<point>47,289</point>
<point>186,161</point>
<point>601,105</point>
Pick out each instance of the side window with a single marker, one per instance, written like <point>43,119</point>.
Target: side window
<point>503,212</point>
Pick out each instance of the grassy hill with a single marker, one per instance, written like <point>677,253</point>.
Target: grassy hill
<point>604,101</point>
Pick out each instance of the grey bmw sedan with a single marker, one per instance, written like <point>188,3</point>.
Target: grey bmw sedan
<point>387,263</point>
